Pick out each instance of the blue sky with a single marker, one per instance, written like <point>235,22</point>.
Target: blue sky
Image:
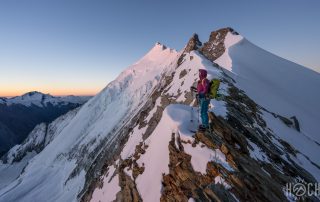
<point>77,46</point>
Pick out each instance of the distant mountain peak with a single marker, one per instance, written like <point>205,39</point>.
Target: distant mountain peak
<point>160,45</point>
<point>35,95</point>
<point>32,93</point>
<point>40,99</point>
<point>215,47</point>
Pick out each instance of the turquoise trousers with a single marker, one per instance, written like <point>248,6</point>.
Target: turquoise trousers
<point>204,105</point>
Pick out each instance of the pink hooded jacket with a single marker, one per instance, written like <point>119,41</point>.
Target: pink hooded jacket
<point>203,83</point>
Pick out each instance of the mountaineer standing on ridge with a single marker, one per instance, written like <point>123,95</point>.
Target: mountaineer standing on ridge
<point>206,90</point>
<point>203,89</point>
<point>203,99</point>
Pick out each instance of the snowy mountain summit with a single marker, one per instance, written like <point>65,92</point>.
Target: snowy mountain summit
<point>132,142</point>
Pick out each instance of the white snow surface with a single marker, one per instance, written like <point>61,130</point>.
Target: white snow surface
<point>279,85</point>
<point>257,153</point>
<point>224,60</point>
<point>218,108</point>
<point>134,139</point>
<point>300,142</point>
<point>9,172</point>
<point>156,158</point>
<point>110,188</point>
<point>35,138</point>
<point>175,120</point>
<point>200,156</point>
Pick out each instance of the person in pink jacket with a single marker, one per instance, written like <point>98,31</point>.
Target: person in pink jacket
<point>202,89</point>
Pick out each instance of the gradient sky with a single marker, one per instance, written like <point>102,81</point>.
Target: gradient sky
<point>77,47</point>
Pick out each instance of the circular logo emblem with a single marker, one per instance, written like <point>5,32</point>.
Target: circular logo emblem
<point>299,189</point>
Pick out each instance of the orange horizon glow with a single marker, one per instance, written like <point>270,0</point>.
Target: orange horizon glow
<point>59,92</point>
<point>84,88</point>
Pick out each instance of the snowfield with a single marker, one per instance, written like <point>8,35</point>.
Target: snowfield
<point>109,189</point>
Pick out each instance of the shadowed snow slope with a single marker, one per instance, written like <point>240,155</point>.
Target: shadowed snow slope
<point>278,85</point>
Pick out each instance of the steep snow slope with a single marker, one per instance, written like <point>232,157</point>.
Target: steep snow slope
<point>225,60</point>
<point>16,159</point>
<point>47,175</point>
<point>175,119</point>
<point>277,84</point>
<point>281,87</point>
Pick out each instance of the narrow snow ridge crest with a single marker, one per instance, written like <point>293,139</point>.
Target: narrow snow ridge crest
<point>225,60</point>
<point>158,51</point>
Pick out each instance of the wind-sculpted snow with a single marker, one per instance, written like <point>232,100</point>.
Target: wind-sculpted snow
<point>278,85</point>
<point>224,60</point>
<point>282,87</point>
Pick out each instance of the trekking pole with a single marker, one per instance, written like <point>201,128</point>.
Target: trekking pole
<point>192,94</point>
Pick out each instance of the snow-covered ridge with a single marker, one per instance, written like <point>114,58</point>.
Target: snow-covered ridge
<point>41,100</point>
<point>95,122</point>
<point>225,60</point>
<point>244,136</point>
<point>277,84</point>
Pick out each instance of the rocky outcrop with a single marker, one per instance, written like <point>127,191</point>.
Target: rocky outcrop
<point>193,44</point>
<point>129,192</point>
<point>291,122</point>
<point>214,48</point>
<point>183,182</point>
